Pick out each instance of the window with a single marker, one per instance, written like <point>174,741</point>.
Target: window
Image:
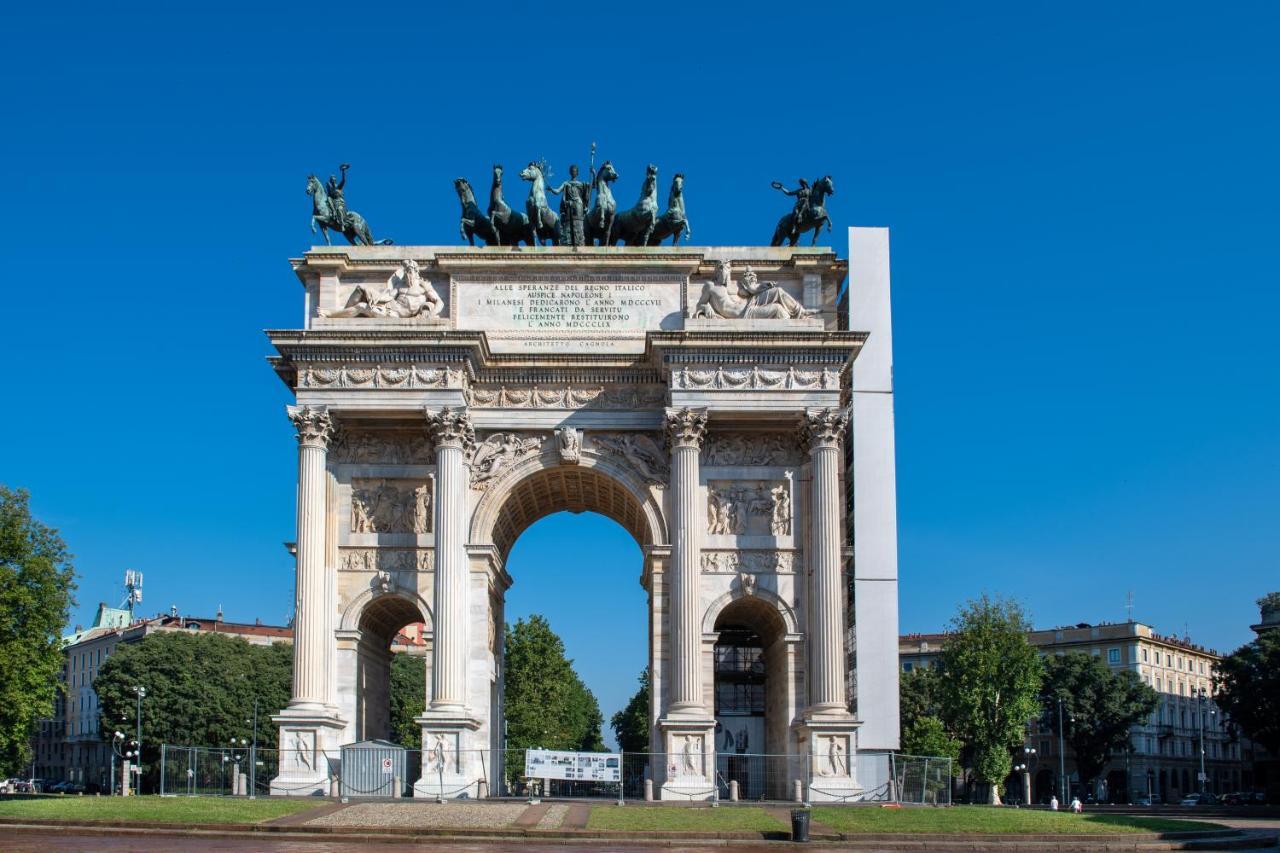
<point>1144,655</point>
<point>907,666</point>
<point>1113,656</point>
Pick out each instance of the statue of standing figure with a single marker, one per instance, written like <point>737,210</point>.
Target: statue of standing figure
<point>573,209</point>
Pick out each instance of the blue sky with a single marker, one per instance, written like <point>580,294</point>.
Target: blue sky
<point>1083,204</point>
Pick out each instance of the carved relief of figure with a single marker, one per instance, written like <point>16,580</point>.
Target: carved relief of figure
<point>835,758</point>
<point>780,524</point>
<point>360,521</point>
<point>439,755</point>
<point>411,297</point>
<point>422,509</point>
<point>497,452</point>
<point>640,451</point>
<point>302,749</point>
<point>691,754</point>
<point>570,443</point>
<point>748,300</point>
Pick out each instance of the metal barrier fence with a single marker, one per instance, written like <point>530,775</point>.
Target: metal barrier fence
<point>390,771</point>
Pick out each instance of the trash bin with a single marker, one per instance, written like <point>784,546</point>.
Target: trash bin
<point>799,824</point>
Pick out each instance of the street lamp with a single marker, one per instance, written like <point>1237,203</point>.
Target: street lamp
<point>117,751</point>
<point>141,693</point>
<point>1062,752</point>
<point>1028,757</point>
<point>1201,696</point>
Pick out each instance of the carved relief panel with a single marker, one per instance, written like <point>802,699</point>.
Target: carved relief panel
<point>382,505</point>
<point>748,508</point>
<point>774,449</point>
<point>383,447</point>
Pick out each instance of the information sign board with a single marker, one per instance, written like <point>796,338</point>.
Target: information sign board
<point>573,766</point>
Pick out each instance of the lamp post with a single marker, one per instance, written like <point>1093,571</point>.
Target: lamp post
<point>1201,696</point>
<point>117,751</point>
<point>253,755</point>
<point>1028,758</point>
<point>141,693</point>
<point>240,743</point>
<point>1062,752</point>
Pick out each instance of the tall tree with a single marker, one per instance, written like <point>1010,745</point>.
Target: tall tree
<point>200,688</point>
<point>991,685</point>
<point>36,585</point>
<point>408,698</point>
<point>631,724</point>
<point>918,695</point>
<point>1247,687</point>
<point>1102,707</point>
<point>547,704</point>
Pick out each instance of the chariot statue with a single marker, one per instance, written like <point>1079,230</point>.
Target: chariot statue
<point>474,223</point>
<point>674,223</point>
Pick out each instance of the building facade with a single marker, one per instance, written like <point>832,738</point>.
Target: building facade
<point>1165,761</point>
<point>67,746</point>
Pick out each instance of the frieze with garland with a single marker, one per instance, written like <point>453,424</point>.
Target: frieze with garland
<point>755,379</point>
<point>379,376</point>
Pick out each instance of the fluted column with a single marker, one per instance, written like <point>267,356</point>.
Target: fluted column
<point>822,435</point>
<point>310,677</point>
<point>685,430</point>
<point>453,435</point>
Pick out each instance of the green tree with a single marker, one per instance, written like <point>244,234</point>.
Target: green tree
<point>547,704</point>
<point>200,688</point>
<point>1247,687</point>
<point>918,696</point>
<point>36,585</point>
<point>928,736</point>
<point>1102,707</point>
<point>408,698</point>
<point>991,685</point>
<point>631,724</point>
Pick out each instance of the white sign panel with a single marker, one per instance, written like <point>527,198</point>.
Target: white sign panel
<point>584,314</point>
<point>573,766</point>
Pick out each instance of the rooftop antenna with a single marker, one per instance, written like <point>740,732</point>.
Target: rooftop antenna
<point>1128,604</point>
<point>132,590</point>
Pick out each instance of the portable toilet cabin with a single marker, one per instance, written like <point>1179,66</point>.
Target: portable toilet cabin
<point>373,768</point>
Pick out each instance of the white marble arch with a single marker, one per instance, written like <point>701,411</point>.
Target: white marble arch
<point>587,401</point>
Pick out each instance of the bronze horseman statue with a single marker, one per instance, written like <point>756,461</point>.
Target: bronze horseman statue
<point>808,214</point>
<point>329,211</point>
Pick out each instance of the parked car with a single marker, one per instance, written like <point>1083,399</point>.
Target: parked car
<point>1235,798</point>
<point>1205,799</point>
<point>1144,800</point>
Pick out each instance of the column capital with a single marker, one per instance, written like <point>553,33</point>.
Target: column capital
<point>314,425</point>
<point>451,428</point>
<point>822,428</point>
<point>686,427</point>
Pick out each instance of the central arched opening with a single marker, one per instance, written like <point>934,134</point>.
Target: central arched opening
<point>750,668</point>
<point>572,539</point>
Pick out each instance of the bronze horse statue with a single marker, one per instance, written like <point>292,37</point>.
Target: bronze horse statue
<point>635,226</point>
<point>813,218</point>
<point>600,220</point>
<point>512,226</point>
<point>474,223</point>
<point>673,223</point>
<point>323,214</point>
<point>544,224</point>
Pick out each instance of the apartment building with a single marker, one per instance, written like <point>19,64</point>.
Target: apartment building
<point>1165,761</point>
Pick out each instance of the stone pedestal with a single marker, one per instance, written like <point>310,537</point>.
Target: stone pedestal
<point>309,753</point>
<point>689,768</point>
<point>452,760</point>
<point>829,748</point>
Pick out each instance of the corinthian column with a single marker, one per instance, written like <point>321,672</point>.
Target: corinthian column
<point>453,435</point>
<point>310,640</point>
<point>685,430</point>
<point>822,435</point>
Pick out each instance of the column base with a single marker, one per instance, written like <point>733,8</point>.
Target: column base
<point>689,761</point>
<point>310,752</point>
<point>829,744</point>
<point>453,766</point>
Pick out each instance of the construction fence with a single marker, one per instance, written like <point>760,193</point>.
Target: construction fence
<point>389,771</point>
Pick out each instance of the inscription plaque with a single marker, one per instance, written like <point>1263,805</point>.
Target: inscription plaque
<point>605,313</point>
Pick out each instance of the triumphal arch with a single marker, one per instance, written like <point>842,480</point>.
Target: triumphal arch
<point>447,398</point>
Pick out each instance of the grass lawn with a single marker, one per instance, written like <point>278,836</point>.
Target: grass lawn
<point>150,808</point>
<point>993,820</point>
<point>683,818</point>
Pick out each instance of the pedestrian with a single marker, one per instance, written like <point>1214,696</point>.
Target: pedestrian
<point>1053,803</point>
<point>1076,805</point>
